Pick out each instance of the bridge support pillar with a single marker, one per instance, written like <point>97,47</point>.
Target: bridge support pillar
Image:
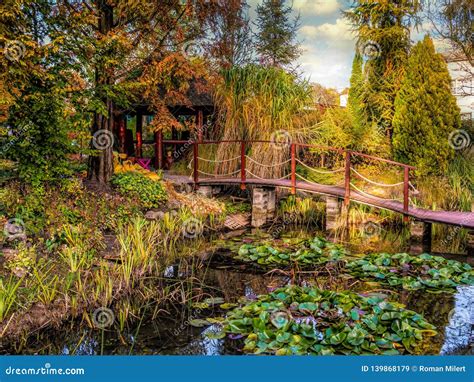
<point>470,243</point>
<point>334,212</point>
<point>263,205</point>
<point>420,237</point>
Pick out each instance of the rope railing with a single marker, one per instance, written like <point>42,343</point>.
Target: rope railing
<point>247,175</point>
<point>373,182</point>
<point>317,170</point>
<point>371,195</point>
<point>266,165</point>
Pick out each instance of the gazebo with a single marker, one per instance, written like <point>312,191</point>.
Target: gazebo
<point>130,127</point>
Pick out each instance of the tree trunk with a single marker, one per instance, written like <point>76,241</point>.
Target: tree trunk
<point>101,166</point>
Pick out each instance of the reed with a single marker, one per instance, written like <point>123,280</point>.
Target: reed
<point>8,295</point>
<point>255,103</point>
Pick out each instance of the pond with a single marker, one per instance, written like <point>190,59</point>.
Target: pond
<point>223,280</point>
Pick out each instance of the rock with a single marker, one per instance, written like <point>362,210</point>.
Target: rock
<point>9,253</point>
<point>174,204</point>
<point>154,215</point>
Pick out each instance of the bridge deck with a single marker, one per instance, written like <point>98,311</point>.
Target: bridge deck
<point>462,219</point>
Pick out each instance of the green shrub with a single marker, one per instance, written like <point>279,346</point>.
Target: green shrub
<point>150,193</point>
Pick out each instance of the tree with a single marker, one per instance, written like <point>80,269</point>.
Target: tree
<point>105,56</point>
<point>231,42</point>
<point>354,102</point>
<point>276,38</point>
<point>452,22</point>
<point>382,29</point>
<point>425,112</point>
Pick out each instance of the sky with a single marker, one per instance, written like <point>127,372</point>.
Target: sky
<point>327,41</point>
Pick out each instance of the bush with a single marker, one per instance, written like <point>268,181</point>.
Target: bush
<point>149,192</point>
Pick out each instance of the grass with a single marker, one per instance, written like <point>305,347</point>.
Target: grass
<point>8,295</point>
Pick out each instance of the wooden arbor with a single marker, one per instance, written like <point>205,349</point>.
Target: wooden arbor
<point>201,107</point>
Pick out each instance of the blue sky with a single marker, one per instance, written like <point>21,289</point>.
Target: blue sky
<point>327,41</point>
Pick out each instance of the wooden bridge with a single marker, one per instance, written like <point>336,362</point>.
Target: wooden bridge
<point>294,180</point>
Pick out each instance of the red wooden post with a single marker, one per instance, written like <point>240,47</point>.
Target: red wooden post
<point>200,119</point>
<point>159,149</point>
<point>122,128</point>
<point>242,166</point>
<point>347,179</point>
<point>139,128</point>
<point>406,180</point>
<point>293,168</point>
<point>196,164</point>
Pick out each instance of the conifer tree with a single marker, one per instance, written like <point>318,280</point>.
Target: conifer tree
<point>383,38</point>
<point>425,112</point>
<point>354,101</point>
<point>276,38</point>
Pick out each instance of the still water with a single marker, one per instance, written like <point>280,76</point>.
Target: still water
<point>216,275</point>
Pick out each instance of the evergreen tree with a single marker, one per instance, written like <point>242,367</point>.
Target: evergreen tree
<point>276,38</point>
<point>384,40</point>
<point>354,102</point>
<point>425,112</point>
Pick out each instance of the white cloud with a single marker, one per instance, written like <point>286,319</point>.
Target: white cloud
<point>316,7</point>
<point>340,31</point>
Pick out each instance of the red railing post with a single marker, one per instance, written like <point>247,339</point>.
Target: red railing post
<point>347,179</point>
<point>406,180</point>
<point>293,168</point>
<point>242,166</point>
<point>196,164</point>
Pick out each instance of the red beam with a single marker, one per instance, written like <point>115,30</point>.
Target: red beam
<point>347,179</point>
<point>196,164</point>
<point>406,180</point>
<point>293,168</point>
<point>242,166</point>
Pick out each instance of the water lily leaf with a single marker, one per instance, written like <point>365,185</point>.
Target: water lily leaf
<point>215,335</point>
<point>199,323</point>
<point>214,300</point>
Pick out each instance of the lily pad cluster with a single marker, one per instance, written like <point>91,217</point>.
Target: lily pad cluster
<point>315,251</point>
<point>305,320</point>
<point>433,273</point>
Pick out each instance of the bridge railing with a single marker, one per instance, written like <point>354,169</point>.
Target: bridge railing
<point>294,148</point>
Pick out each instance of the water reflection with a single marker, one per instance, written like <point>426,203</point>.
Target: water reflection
<point>459,333</point>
